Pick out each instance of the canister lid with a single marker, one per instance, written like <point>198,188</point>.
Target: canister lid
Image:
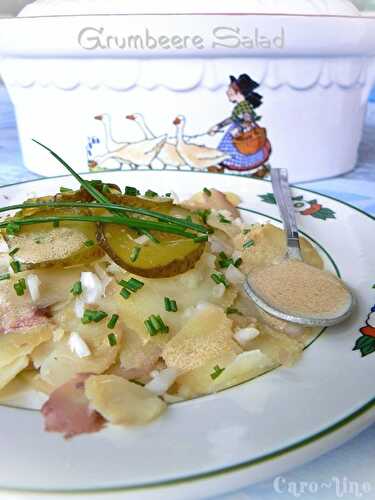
<point>40,8</point>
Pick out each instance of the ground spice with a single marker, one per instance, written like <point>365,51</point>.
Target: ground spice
<point>297,288</point>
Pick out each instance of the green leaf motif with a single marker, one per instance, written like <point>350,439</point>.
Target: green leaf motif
<point>268,198</point>
<point>324,214</point>
<point>365,344</point>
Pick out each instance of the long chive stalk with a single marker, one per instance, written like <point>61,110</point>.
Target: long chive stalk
<point>85,184</point>
<point>140,211</point>
<point>122,221</point>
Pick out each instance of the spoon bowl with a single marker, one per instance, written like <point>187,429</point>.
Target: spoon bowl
<point>339,314</point>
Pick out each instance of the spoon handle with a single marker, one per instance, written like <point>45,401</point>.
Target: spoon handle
<point>281,190</point>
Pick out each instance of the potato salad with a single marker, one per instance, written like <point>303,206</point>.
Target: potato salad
<point>115,304</point>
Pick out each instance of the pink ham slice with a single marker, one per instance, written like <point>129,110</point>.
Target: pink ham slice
<point>67,410</point>
<point>29,318</point>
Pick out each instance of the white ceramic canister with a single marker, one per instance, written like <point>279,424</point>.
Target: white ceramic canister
<point>139,65</point>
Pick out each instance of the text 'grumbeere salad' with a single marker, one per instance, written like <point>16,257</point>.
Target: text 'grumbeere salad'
<point>115,304</point>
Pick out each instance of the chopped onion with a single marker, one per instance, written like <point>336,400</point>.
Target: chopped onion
<point>92,288</point>
<point>78,346</point>
<point>218,291</point>
<point>79,308</point>
<point>234,275</point>
<point>3,246</point>
<point>142,240</point>
<point>105,278</point>
<point>162,381</point>
<point>244,335</point>
<point>33,285</point>
<point>236,255</point>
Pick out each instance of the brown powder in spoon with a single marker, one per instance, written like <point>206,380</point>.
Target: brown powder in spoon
<point>296,288</point>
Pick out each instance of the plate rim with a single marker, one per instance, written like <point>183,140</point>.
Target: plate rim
<point>297,445</point>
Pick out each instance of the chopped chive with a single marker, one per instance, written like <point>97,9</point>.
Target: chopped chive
<point>106,189</point>
<point>154,325</point>
<point>224,261</point>
<point>248,244</point>
<point>170,305</point>
<point>16,266</point>
<point>13,252</point>
<point>168,195</point>
<point>246,231</point>
<point>135,254</point>
<point>163,328</point>
<point>217,372</point>
<point>200,239</point>
<point>189,218</point>
<point>13,228</point>
<point>65,190</point>
<point>112,322</point>
<point>125,294</point>
<point>219,278</point>
<point>5,276</point>
<point>20,287</point>
<point>56,223</point>
<point>133,285</point>
<point>131,191</point>
<point>204,214</point>
<point>93,316</point>
<point>233,310</point>
<point>238,262</point>
<point>89,243</point>
<point>149,327</point>
<point>207,192</point>
<point>373,286</point>
<point>151,194</point>
<point>112,339</point>
<point>223,220</point>
<point>76,288</point>
<point>150,236</point>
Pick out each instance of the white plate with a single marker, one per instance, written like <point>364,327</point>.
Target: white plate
<point>248,433</point>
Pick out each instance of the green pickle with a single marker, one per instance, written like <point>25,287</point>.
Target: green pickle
<point>64,245</point>
<point>172,255</point>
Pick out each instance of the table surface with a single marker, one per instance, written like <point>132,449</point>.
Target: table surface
<point>354,461</point>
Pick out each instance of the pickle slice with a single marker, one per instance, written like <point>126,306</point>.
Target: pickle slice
<point>43,245</point>
<point>114,195</point>
<point>173,254</point>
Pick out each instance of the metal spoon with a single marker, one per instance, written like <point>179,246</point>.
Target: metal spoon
<point>280,184</point>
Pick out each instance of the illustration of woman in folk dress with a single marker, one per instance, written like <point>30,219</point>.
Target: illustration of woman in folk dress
<point>244,141</point>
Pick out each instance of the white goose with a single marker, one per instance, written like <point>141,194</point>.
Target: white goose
<point>110,142</point>
<point>135,154</point>
<point>194,155</point>
<point>168,155</point>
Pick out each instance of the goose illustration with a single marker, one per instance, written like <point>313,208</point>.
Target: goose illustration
<point>196,156</point>
<point>135,154</point>
<point>110,142</point>
<point>168,155</point>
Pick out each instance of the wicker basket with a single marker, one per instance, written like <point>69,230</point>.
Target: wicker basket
<point>252,141</point>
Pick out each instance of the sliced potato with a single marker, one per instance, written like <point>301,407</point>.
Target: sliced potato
<point>207,335</point>
<point>279,347</point>
<point>269,247</point>
<point>43,245</point>
<point>122,402</point>
<point>62,364</point>
<point>9,372</point>
<point>138,358</point>
<point>22,342</point>
<point>188,290</point>
<point>237,369</point>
